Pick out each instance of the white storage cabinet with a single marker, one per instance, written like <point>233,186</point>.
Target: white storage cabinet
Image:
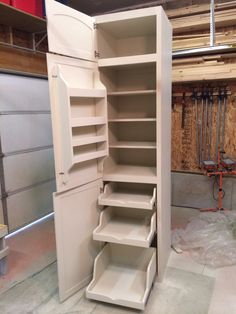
<point>110,90</point>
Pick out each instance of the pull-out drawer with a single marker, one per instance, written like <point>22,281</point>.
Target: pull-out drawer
<point>123,275</point>
<point>128,226</point>
<point>128,195</point>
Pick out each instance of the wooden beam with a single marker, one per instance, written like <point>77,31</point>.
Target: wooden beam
<point>18,60</point>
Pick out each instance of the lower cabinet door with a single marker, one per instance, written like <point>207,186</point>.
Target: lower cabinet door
<point>76,216</point>
<point>123,275</point>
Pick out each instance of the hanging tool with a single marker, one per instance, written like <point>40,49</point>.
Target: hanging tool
<point>218,125</point>
<point>223,119</point>
<point>183,110</point>
<point>210,124</point>
<point>195,100</point>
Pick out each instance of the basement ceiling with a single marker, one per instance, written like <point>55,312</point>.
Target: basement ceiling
<point>95,7</point>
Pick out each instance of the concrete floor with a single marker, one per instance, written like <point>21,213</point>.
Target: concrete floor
<point>188,287</point>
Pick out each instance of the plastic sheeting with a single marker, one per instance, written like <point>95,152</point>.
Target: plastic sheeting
<point>210,238</point>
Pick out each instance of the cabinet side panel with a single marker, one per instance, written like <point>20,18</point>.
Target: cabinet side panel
<point>164,60</point>
<point>76,216</point>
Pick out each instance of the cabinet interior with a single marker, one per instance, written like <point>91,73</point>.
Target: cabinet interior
<point>135,36</point>
<point>137,77</point>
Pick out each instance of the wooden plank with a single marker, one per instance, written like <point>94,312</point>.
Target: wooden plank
<point>198,8</point>
<point>21,20</point>
<point>18,60</point>
<point>202,21</point>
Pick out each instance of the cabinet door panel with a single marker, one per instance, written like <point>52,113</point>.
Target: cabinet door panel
<point>70,32</point>
<point>79,120</point>
<point>76,216</point>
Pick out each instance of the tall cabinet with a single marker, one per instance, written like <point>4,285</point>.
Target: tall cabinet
<point>110,90</point>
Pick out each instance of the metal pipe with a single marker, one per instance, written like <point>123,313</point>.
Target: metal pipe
<point>205,125</point>
<point>197,128</point>
<point>212,23</point>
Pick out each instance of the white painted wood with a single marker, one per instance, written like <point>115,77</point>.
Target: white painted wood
<point>163,97</point>
<point>76,215</point>
<point>70,33</point>
<point>129,173</point>
<point>129,144</point>
<point>127,61</point>
<point>135,63</point>
<point>130,93</point>
<point>133,120</point>
<point>128,196</point>
<point>89,140</point>
<point>123,275</point>
<point>78,102</point>
<point>88,121</point>
<point>127,226</point>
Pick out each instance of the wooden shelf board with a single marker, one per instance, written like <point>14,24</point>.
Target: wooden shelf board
<point>77,122</point>
<point>89,93</point>
<point>129,173</point>
<point>133,92</point>
<point>128,61</point>
<point>88,140</point>
<point>129,144</point>
<point>21,20</point>
<point>127,198</point>
<point>89,156</point>
<point>132,120</point>
<point>130,230</point>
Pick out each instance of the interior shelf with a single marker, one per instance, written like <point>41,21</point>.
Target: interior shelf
<point>132,92</point>
<point>126,226</point>
<point>88,140</point>
<point>128,60</point>
<point>132,120</point>
<point>91,93</point>
<point>128,195</point>
<point>76,122</point>
<point>129,173</point>
<point>132,269</point>
<point>134,145</point>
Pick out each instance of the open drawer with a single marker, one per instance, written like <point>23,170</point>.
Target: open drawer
<point>128,226</point>
<point>128,195</point>
<point>123,275</point>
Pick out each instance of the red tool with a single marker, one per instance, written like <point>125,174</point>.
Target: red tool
<point>223,167</point>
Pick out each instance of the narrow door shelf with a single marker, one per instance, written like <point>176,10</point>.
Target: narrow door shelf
<point>123,275</point>
<point>116,194</point>
<point>127,226</point>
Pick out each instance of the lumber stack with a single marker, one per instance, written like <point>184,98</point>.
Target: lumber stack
<point>188,41</point>
<point>216,67</point>
<point>202,21</point>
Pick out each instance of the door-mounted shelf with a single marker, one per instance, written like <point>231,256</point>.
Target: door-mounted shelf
<point>89,93</point>
<point>124,196</point>
<point>77,122</point>
<point>89,140</point>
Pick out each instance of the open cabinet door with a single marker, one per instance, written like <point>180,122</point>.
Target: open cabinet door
<point>70,33</point>
<point>79,123</point>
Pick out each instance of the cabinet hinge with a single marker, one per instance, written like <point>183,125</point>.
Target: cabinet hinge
<point>54,76</point>
<point>97,54</point>
<point>95,25</point>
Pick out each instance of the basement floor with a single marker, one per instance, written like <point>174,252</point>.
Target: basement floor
<point>188,288</point>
